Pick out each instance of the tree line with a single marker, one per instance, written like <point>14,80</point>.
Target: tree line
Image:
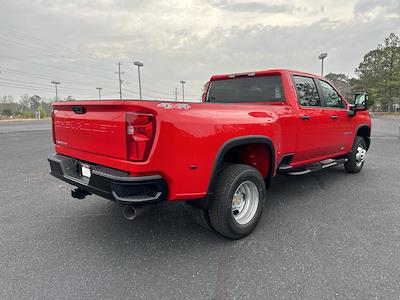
<point>26,107</point>
<point>378,75</point>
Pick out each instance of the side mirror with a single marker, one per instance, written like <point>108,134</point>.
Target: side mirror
<point>360,103</point>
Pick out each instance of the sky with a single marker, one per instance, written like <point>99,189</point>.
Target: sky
<point>80,42</point>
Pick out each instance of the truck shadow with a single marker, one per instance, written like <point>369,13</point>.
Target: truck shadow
<point>166,242</point>
<point>170,225</point>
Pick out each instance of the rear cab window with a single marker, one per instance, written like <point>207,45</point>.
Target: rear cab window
<point>307,92</point>
<point>246,89</point>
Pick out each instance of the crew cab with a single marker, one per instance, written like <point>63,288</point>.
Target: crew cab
<point>218,155</point>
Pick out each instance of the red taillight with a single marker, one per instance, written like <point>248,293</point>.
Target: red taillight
<point>52,126</point>
<point>140,129</point>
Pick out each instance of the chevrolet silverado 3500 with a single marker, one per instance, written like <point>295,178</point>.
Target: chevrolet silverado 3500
<point>218,155</point>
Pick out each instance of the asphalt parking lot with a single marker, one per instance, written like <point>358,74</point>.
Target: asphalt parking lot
<point>328,235</point>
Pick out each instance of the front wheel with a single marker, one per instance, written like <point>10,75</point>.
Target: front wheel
<point>238,201</point>
<point>356,158</point>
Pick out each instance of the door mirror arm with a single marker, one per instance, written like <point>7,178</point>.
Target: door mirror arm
<point>352,110</point>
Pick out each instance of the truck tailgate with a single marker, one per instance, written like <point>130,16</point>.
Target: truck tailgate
<point>94,128</point>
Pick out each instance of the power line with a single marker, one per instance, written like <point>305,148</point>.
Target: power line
<point>43,77</point>
<point>158,91</point>
<point>57,55</point>
<point>53,67</point>
<point>13,85</point>
<point>34,44</point>
<point>24,86</point>
<point>41,88</point>
<point>81,73</point>
<point>158,95</point>
<point>96,97</point>
<point>56,46</point>
<point>44,85</point>
<point>48,89</point>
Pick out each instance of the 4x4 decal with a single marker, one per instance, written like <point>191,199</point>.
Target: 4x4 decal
<point>173,105</point>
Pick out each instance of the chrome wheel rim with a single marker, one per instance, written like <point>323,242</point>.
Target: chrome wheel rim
<point>360,155</point>
<point>245,202</point>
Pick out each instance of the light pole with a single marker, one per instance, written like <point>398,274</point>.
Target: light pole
<point>139,65</point>
<point>99,89</point>
<point>322,56</point>
<point>56,83</point>
<point>183,89</point>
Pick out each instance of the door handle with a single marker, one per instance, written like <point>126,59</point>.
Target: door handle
<point>334,117</point>
<point>305,117</point>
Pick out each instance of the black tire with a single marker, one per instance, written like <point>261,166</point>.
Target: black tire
<point>201,217</point>
<point>220,210</point>
<point>352,165</point>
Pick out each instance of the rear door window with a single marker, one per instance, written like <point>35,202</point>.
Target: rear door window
<point>246,89</point>
<point>307,92</point>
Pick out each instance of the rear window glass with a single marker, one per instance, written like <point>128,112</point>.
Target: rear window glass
<point>246,89</point>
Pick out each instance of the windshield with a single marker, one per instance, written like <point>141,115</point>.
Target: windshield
<point>246,89</point>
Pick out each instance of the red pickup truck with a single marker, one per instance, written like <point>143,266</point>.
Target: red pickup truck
<point>218,155</point>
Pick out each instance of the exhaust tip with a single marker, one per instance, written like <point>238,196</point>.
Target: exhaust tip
<point>129,212</point>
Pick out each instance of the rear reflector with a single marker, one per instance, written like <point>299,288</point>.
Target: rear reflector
<point>140,129</point>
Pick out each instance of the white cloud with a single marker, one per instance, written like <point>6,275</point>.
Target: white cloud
<point>183,40</point>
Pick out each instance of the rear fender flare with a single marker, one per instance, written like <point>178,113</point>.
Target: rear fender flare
<point>238,141</point>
